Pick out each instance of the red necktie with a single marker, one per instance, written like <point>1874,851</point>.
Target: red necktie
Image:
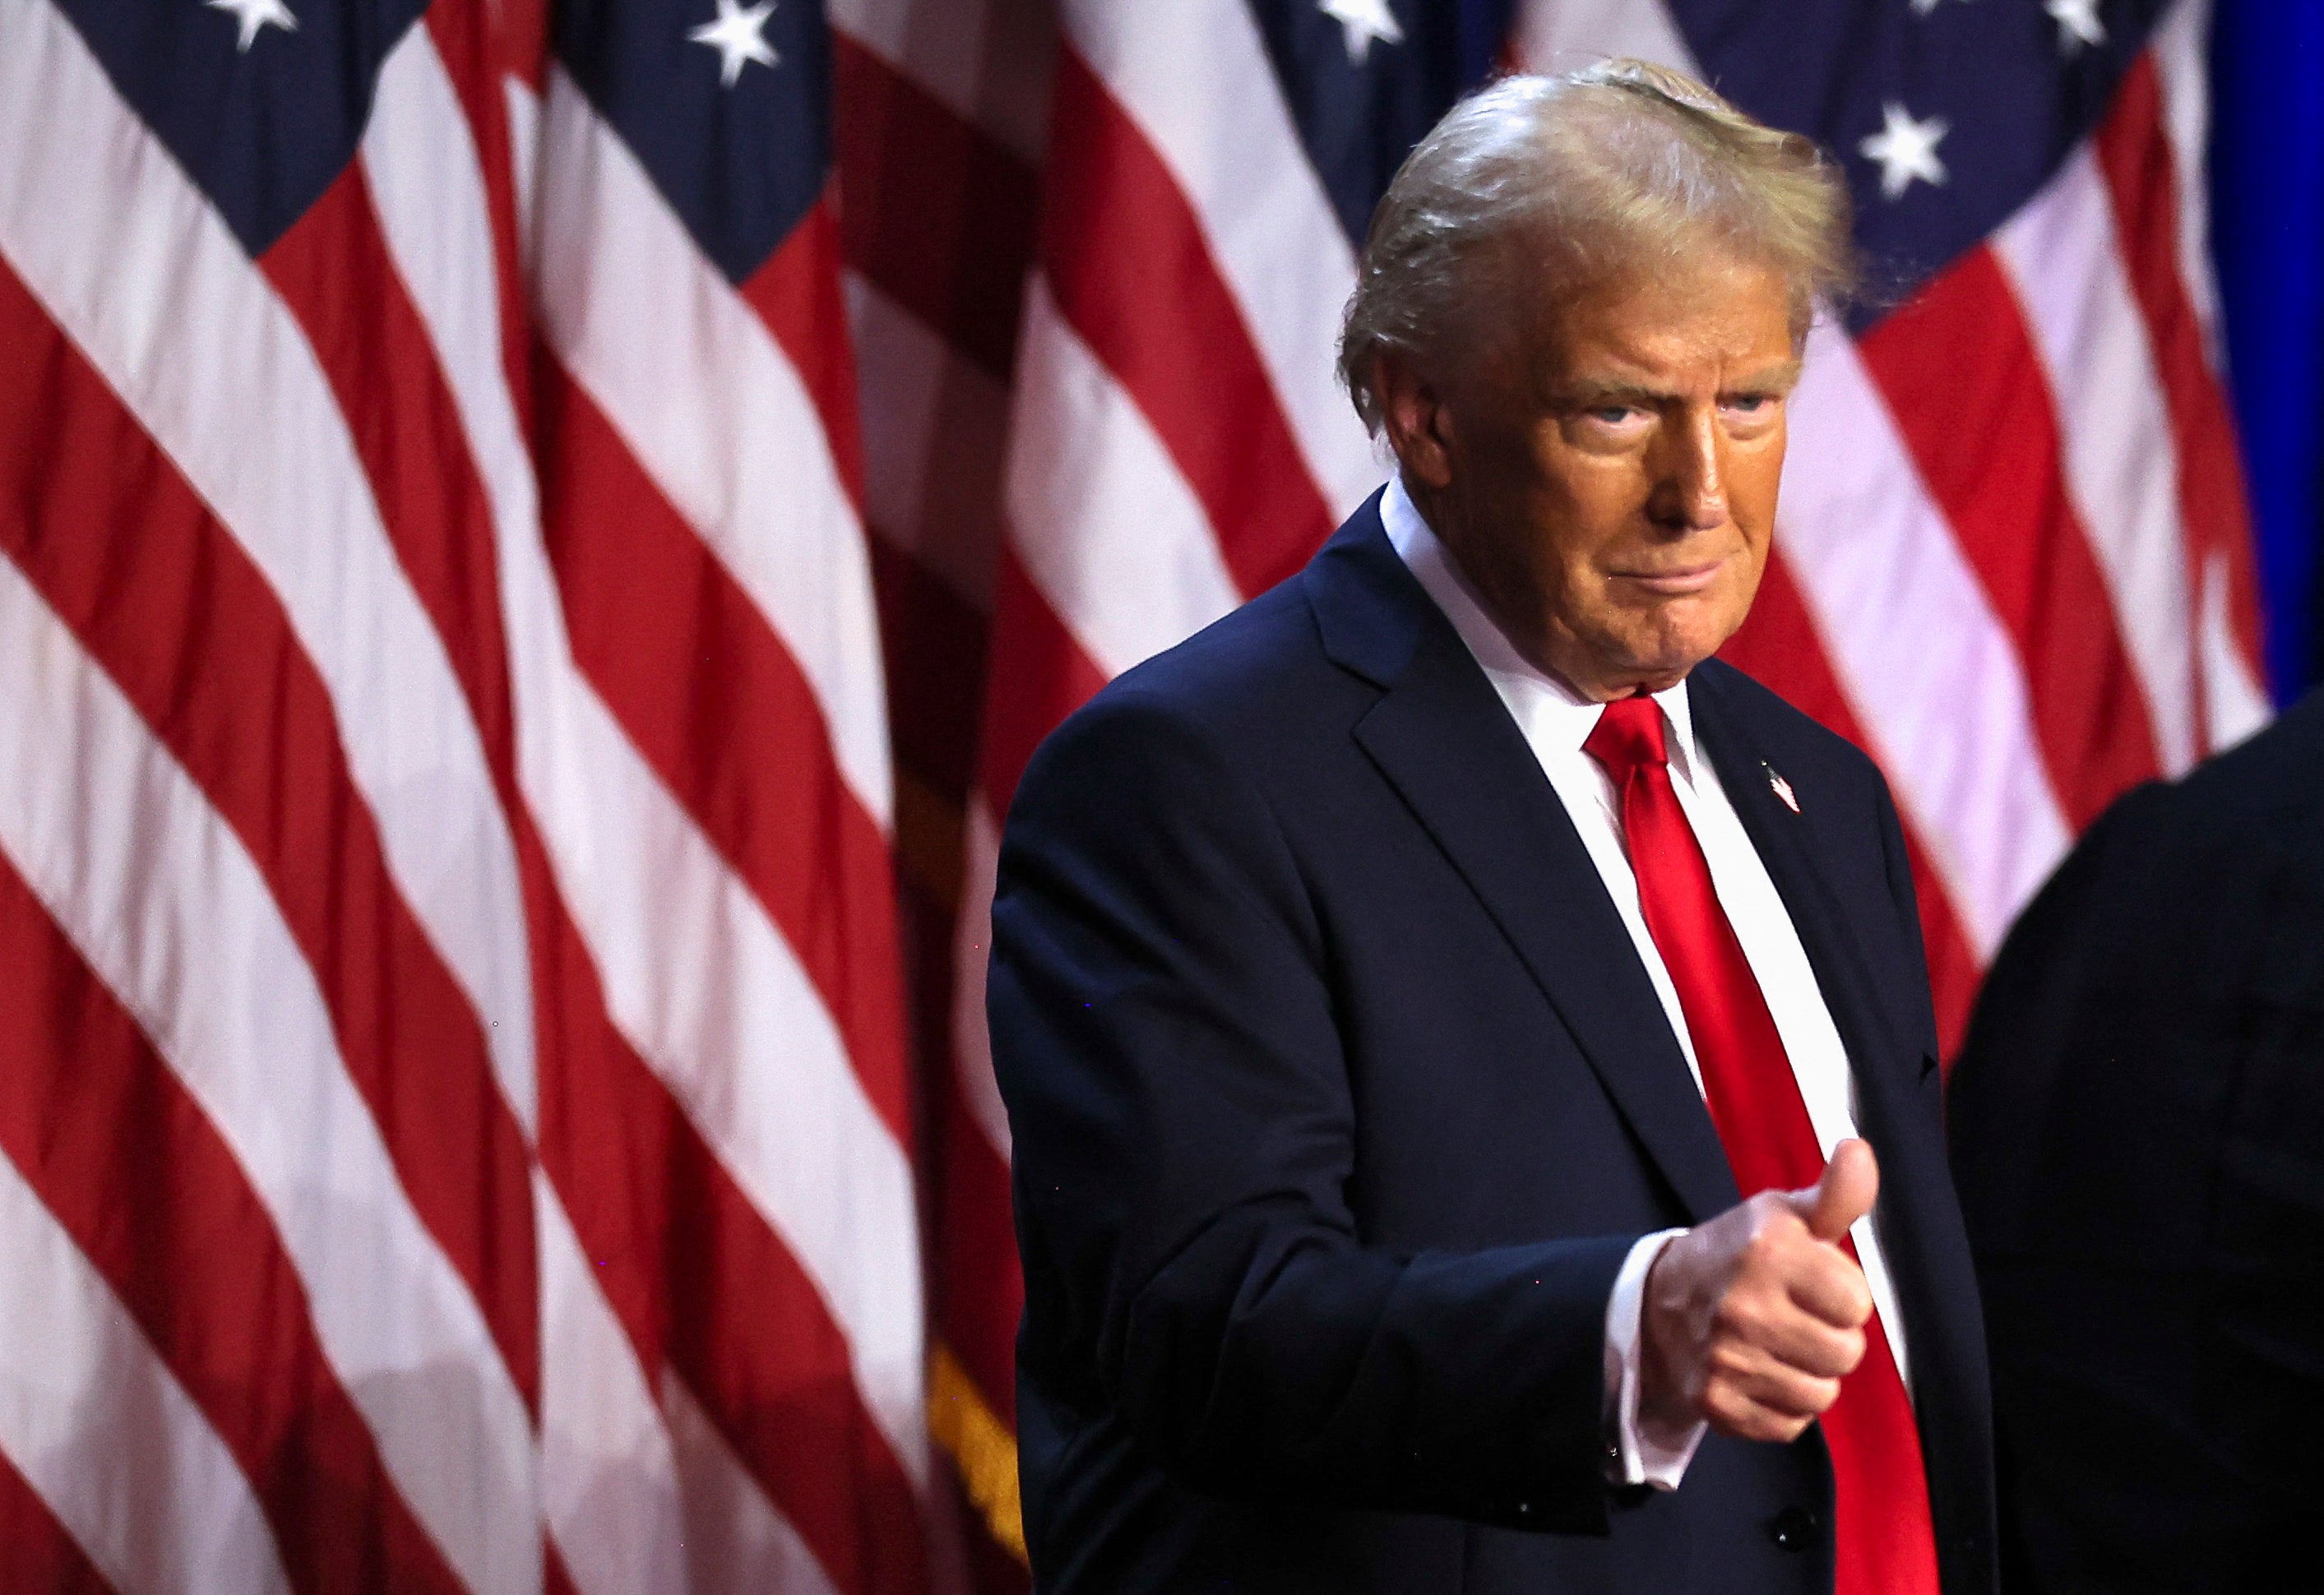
<point>1883,1542</point>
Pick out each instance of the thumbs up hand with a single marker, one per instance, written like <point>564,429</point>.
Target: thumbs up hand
<point>1749,1321</point>
<point>1849,1185</point>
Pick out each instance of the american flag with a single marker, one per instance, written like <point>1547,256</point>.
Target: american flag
<point>454,1107</point>
<point>528,533</point>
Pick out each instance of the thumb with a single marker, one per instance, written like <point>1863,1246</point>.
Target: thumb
<point>1845,1193</point>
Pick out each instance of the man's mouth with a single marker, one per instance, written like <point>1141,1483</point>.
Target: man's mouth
<point>1677,581</point>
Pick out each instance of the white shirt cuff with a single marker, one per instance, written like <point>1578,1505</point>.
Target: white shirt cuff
<point>1633,1455</point>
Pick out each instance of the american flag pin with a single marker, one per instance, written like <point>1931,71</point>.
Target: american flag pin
<point>1783,788</point>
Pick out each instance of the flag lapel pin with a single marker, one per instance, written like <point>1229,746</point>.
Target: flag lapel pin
<point>1782,788</point>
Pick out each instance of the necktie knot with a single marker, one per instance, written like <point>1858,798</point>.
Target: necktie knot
<point>1628,735</point>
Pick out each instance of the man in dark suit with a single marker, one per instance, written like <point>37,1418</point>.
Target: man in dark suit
<point>2138,1133</point>
<point>1443,1013</point>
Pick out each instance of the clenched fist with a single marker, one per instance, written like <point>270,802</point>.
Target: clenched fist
<point>1750,1321</point>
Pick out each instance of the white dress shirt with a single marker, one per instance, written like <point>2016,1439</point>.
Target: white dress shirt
<point>1557,721</point>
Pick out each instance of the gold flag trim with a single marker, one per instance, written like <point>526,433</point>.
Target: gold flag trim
<point>979,1446</point>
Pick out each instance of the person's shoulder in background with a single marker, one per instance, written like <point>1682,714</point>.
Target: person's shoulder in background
<point>2137,1127</point>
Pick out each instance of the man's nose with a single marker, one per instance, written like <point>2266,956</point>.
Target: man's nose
<point>1690,489</point>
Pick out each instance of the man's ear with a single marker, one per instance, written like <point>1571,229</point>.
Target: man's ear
<point>1419,427</point>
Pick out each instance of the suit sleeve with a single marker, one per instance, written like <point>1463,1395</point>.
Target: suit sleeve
<point>1164,1031</point>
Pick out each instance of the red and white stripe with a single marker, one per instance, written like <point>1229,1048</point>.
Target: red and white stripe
<point>728,880</point>
<point>483,1159</point>
<point>105,1436</point>
<point>943,116</point>
<point>1268,235</point>
<point>194,885</point>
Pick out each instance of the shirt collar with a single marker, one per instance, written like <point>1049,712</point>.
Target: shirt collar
<point>1549,706</point>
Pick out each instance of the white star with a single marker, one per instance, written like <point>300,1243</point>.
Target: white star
<point>1361,22</point>
<point>1906,150</point>
<point>738,35</point>
<point>254,15</point>
<point>1924,7</point>
<point>2078,23</point>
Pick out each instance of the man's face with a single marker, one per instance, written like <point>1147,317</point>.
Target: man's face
<point>1610,482</point>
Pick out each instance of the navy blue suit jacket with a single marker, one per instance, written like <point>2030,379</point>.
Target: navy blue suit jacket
<point>1339,1095</point>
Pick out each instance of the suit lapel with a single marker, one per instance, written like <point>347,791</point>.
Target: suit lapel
<point>1443,737</point>
<point>1784,841</point>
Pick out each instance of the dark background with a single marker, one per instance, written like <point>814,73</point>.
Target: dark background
<point>2267,236</point>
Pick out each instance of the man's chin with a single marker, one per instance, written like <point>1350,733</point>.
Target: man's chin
<point>1650,660</point>
<point>1689,632</point>
<point>1662,678</point>
<point>1665,662</point>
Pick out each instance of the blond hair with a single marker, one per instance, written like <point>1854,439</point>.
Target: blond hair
<point>1623,168</point>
